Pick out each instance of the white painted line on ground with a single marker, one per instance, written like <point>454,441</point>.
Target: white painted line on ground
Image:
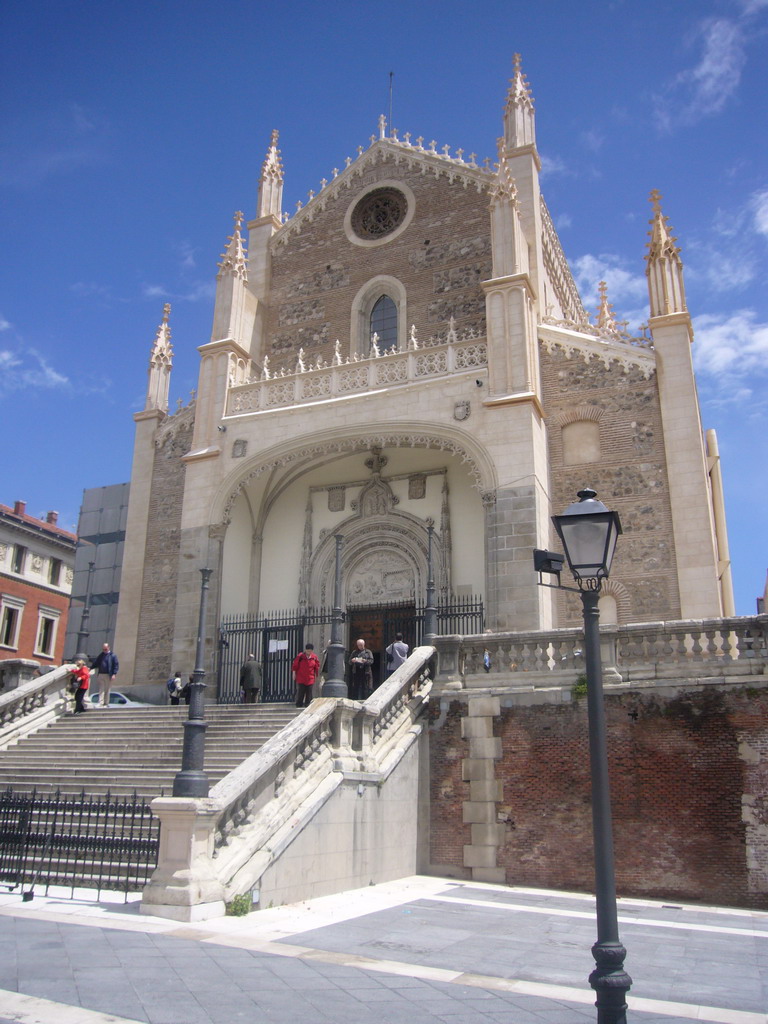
<point>33,1010</point>
<point>590,916</point>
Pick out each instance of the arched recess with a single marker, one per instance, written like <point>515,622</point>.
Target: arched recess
<point>383,561</point>
<point>291,456</point>
<point>618,608</point>
<point>362,307</point>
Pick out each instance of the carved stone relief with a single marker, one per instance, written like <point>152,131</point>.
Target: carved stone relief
<point>336,499</point>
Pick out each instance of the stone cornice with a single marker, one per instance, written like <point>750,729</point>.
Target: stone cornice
<point>523,398</point>
<point>590,347</point>
<point>511,281</point>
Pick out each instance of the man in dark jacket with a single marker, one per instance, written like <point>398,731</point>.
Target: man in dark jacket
<point>250,680</point>
<point>360,672</point>
<point>106,664</point>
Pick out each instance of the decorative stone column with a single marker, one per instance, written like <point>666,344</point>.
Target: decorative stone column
<point>485,790</point>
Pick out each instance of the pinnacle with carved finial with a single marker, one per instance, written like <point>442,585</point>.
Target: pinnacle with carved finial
<point>233,259</point>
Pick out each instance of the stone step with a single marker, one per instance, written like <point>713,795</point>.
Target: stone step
<point>135,749</point>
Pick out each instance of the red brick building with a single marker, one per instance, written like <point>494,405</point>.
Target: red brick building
<point>37,558</point>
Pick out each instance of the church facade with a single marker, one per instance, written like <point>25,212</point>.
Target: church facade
<point>409,351</point>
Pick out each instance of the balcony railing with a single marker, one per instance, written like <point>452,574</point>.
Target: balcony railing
<point>662,652</point>
<point>321,383</point>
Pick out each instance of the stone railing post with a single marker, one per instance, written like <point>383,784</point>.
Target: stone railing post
<point>184,886</point>
<point>16,671</point>
<point>448,671</point>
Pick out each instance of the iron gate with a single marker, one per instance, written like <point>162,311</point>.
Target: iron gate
<point>76,841</point>
<point>275,638</point>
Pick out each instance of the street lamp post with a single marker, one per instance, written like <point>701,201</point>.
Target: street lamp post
<point>192,780</point>
<point>589,532</point>
<point>430,610</point>
<point>334,685</point>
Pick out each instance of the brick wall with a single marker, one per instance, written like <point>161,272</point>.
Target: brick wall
<point>35,597</point>
<point>689,779</point>
<point>440,259</point>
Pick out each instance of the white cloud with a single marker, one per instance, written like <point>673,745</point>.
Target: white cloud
<point>563,220</point>
<point>624,287</point>
<point>188,255</point>
<point>759,204</point>
<point>200,291</point>
<point>553,165</point>
<point>28,369</point>
<point>5,325</point>
<point>705,88</point>
<point>155,291</point>
<point>732,349</point>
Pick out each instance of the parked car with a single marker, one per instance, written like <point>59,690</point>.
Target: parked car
<point>118,700</point>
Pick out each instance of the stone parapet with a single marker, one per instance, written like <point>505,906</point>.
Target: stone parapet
<point>641,654</point>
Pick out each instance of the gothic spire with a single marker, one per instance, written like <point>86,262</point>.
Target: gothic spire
<point>233,259</point>
<point>270,200</point>
<point>519,120</point>
<point>160,363</point>
<point>664,270</point>
<point>606,317</point>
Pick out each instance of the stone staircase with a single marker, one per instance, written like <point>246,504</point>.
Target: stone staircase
<point>127,750</point>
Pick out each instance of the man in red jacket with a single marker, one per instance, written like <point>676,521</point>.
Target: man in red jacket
<point>305,668</point>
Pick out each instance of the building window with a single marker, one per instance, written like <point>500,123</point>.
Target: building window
<point>19,555</point>
<point>54,572</point>
<point>46,632</point>
<point>10,621</point>
<point>379,308</point>
<point>379,213</point>
<point>384,324</point>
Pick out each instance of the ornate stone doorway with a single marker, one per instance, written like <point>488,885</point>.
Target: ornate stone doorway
<point>378,626</point>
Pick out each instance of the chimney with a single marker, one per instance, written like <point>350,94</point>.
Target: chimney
<point>19,507</point>
<point>52,518</point>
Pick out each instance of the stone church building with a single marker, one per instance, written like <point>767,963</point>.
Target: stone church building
<point>409,349</point>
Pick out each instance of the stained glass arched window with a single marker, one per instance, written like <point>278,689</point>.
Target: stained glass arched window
<point>384,323</point>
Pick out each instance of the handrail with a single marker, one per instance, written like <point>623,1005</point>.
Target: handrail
<point>32,705</point>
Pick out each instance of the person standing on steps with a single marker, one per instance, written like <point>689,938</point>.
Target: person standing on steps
<point>397,652</point>
<point>175,688</point>
<point>250,680</point>
<point>360,671</point>
<point>107,666</point>
<point>305,668</point>
<point>82,678</point>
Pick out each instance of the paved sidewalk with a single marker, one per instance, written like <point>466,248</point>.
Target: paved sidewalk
<point>417,951</point>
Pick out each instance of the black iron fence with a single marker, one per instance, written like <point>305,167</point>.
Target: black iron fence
<point>76,841</point>
<point>275,638</point>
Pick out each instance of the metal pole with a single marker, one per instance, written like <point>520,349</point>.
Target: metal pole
<point>83,633</point>
<point>430,611</point>
<point>334,685</point>
<point>192,780</point>
<point>609,979</point>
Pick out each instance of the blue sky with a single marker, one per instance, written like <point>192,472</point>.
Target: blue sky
<point>133,131</point>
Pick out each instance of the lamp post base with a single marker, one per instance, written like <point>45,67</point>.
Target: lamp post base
<point>610,982</point>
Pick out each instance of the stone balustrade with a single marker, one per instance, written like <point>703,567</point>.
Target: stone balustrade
<point>709,649</point>
<point>314,384</point>
<point>215,848</point>
<point>33,704</point>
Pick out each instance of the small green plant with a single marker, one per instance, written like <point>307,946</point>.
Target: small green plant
<point>579,688</point>
<point>240,905</point>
